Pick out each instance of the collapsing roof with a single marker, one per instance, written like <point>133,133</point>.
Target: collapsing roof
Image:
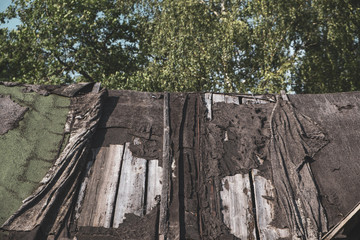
<point>135,165</point>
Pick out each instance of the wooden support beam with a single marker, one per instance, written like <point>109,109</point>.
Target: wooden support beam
<point>225,98</point>
<point>96,87</point>
<point>166,162</point>
<point>283,95</point>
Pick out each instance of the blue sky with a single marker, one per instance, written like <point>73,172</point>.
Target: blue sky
<point>11,24</point>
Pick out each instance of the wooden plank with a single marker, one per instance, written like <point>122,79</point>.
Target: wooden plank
<point>232,99</point>
<point>91,198</point>
<point>283,95</point>
<point>96,87</point>
<point>110,184</point>
<point>84,184</point>
<point>216,98</point>
<point>130,198</point>
<point>208,103</point>
<point>254,101</point>
<point>237,206</point>
<point>98,207</point>
<point>337,228</point>
<point>264,192</point>
<point>154,184</point>
<point>226,99</point>
<point>166,162</point>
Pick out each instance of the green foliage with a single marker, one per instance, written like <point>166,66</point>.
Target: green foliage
<point>186,45</point>
<point>60,39</point>
<point>331,47</point>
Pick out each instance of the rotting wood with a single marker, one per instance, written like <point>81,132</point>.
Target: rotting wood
<point>208,103</point>
<point>338,227</point>
<point>114,158</point>
<point>264,192</point>
<point>248,100</point>
<point>257,98</point>
<point>237,206</point>
<point>96,87</point>
<point>217,98</point>
<point>130,198</point>
<point>84,184</point>
<point>100,196</point>
<point>154,185</point>
<point>91,199</point>
<point>111,177</point>
<point>284,96</point>
<point>166,161</point>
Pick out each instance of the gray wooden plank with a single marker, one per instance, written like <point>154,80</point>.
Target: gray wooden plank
<point>237,206</point>
<point>154,184</point>
<point>91,196</point>
<point>265,208</point>
<point>254,101</point>
<point>208,103</point>
<point>130,198</point>
<point>108,187</point>
<point>217,98</point>
<point>101,191</point>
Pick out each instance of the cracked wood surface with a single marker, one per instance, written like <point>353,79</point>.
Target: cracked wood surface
<point>265,202</point>
<point>99,201</point>
<point>131,194</point>
<point>237,206</point>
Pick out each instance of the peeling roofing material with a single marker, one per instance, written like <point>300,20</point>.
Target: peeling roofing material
<point>135,165</point>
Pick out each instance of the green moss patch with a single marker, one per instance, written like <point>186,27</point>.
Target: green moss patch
<point>28,151</point>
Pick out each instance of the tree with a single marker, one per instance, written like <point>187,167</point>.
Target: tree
<point>195,46</point>
<point>331,58</point>
<point>92,40</point>
<point>186,45</point>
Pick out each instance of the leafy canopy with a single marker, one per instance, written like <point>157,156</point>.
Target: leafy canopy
<point>185,45</point>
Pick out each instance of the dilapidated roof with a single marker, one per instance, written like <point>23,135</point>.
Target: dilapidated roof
<point>102,164</point>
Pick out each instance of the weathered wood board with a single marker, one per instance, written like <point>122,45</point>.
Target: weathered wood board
<point>101,191</point>
<point>217,98</point>
<point>112,172</point>
<point>208,102</point>
<point>130,198</point>
<point>237,206</point>
<point>154,184</point>
<point>264,192</point>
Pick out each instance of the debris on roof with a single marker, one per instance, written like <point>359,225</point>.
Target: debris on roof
<point>190,166</point>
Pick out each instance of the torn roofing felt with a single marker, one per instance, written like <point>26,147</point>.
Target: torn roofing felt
<point>195,166</point>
